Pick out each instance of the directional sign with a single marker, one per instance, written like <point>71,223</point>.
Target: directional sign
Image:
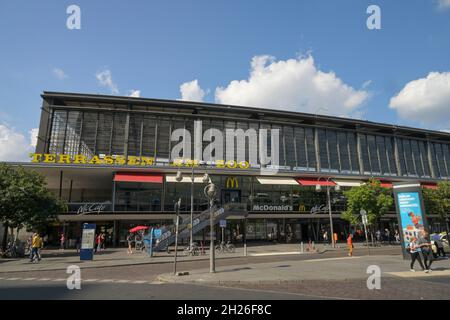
<point>364,216</point>
<point>223,223</point>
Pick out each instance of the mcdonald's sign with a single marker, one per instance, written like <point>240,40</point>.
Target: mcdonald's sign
<point>232,183</point>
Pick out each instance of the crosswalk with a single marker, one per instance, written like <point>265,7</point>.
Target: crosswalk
<point>101,281</point>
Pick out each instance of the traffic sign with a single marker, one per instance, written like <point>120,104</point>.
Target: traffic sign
<point>223,223</point>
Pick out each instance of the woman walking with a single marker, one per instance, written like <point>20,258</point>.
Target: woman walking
<point>414,250</point>
<point>130,243</point>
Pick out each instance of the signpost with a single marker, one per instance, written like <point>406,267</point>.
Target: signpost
<point>87,242</point>
<point>223,225</point>
<point>365,223</point>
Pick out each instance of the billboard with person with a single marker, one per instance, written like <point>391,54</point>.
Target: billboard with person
<point>410,212</point>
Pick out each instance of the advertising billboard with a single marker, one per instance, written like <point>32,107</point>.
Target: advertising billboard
<point>410,212</point>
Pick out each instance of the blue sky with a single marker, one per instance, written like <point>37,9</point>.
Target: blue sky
<point>156,46</point>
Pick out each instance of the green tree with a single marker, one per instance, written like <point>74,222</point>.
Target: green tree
<point>371,197</point>
<point>25,201</point>
<point>437,201</point>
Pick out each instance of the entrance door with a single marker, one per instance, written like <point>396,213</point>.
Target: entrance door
<point>231,196</point>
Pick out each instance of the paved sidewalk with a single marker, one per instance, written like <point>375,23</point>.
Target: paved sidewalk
<point>59,260</point>
<point>344,268</point>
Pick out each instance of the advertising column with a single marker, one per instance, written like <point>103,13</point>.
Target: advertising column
<point>87,242</point>
<point>410,212</point>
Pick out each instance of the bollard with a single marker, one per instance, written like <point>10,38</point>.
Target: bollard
<point>301,247</point>
<point>245,249</point>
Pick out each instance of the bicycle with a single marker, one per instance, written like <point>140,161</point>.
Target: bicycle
<point>194,250</point>
<point>225,247</point>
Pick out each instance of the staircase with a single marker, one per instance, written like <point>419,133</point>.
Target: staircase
<point>199,222</point>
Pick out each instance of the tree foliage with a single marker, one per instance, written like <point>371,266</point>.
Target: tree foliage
<point>25,200</point>
<point>437,201</point>
<point>371,197</point>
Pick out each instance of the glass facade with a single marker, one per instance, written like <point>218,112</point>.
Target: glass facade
<point>301,148</point>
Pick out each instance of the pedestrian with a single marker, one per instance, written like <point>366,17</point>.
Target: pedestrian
<point>439,247</point>
<point>130,243</point>
<point>350,245</point>
<point>397,237</point>
<point>102,241</point>
<point>414,250</point>
<point>388,235</point>
<point>335,235</point>
<point>36,244</point>
<point>425,246</point>
<point>78,244</point>
<point>62,241</point>
<point>99,243</point>
<point>325,237</point>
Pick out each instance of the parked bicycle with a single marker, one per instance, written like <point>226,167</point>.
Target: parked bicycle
<point>225,247</point>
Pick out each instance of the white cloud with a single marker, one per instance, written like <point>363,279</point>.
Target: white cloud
<point>134,93</point>
<point>13,145</point>
<point>425,100</point>
<point>444,4</point>
<point>104,78</point>
<point>294,84</point>
<point>191,91</point>
<point>33,137</point>
<point>59,73</point>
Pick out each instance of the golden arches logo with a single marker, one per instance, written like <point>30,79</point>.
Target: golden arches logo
<point>232,183</point>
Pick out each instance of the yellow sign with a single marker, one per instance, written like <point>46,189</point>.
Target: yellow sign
<point>232,183</point>
<point>96,160</point>
<point>119,160</point>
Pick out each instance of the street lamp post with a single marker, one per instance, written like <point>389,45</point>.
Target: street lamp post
<point>177,211</point>
<point>337,188</point>
<point>210,193</point>
<point>179,178</point>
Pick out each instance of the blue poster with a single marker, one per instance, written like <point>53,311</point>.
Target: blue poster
<point>87,242</point>
<point>411,215</point>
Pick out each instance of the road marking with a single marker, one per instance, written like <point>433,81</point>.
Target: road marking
<point>12,279</point>
<point>1,278</point>
<point>43,279</point>
<point>106,280</point>
<point>123,281</point>
<point>59,279</point>
<point>139,282</point>
<point>273,253</point>
<point>29,279</point>
<point>90,280</point>
<point>331,259</point>
<point>420,274</point>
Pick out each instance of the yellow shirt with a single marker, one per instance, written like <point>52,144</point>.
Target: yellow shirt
<point>37,242</point>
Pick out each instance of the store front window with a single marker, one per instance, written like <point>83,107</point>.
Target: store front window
<point>136,196</point>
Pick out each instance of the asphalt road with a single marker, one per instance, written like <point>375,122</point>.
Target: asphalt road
<point>138,282</point>
<point>37,290</point>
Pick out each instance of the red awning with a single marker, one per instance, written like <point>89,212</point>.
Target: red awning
<point>314,181</point>
<point>386,184</point>
<point>138,177</point>
<point>429,185</point>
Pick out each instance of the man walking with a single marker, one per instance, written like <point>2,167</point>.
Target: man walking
<point>36,244</point>
<point>425,246</point>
